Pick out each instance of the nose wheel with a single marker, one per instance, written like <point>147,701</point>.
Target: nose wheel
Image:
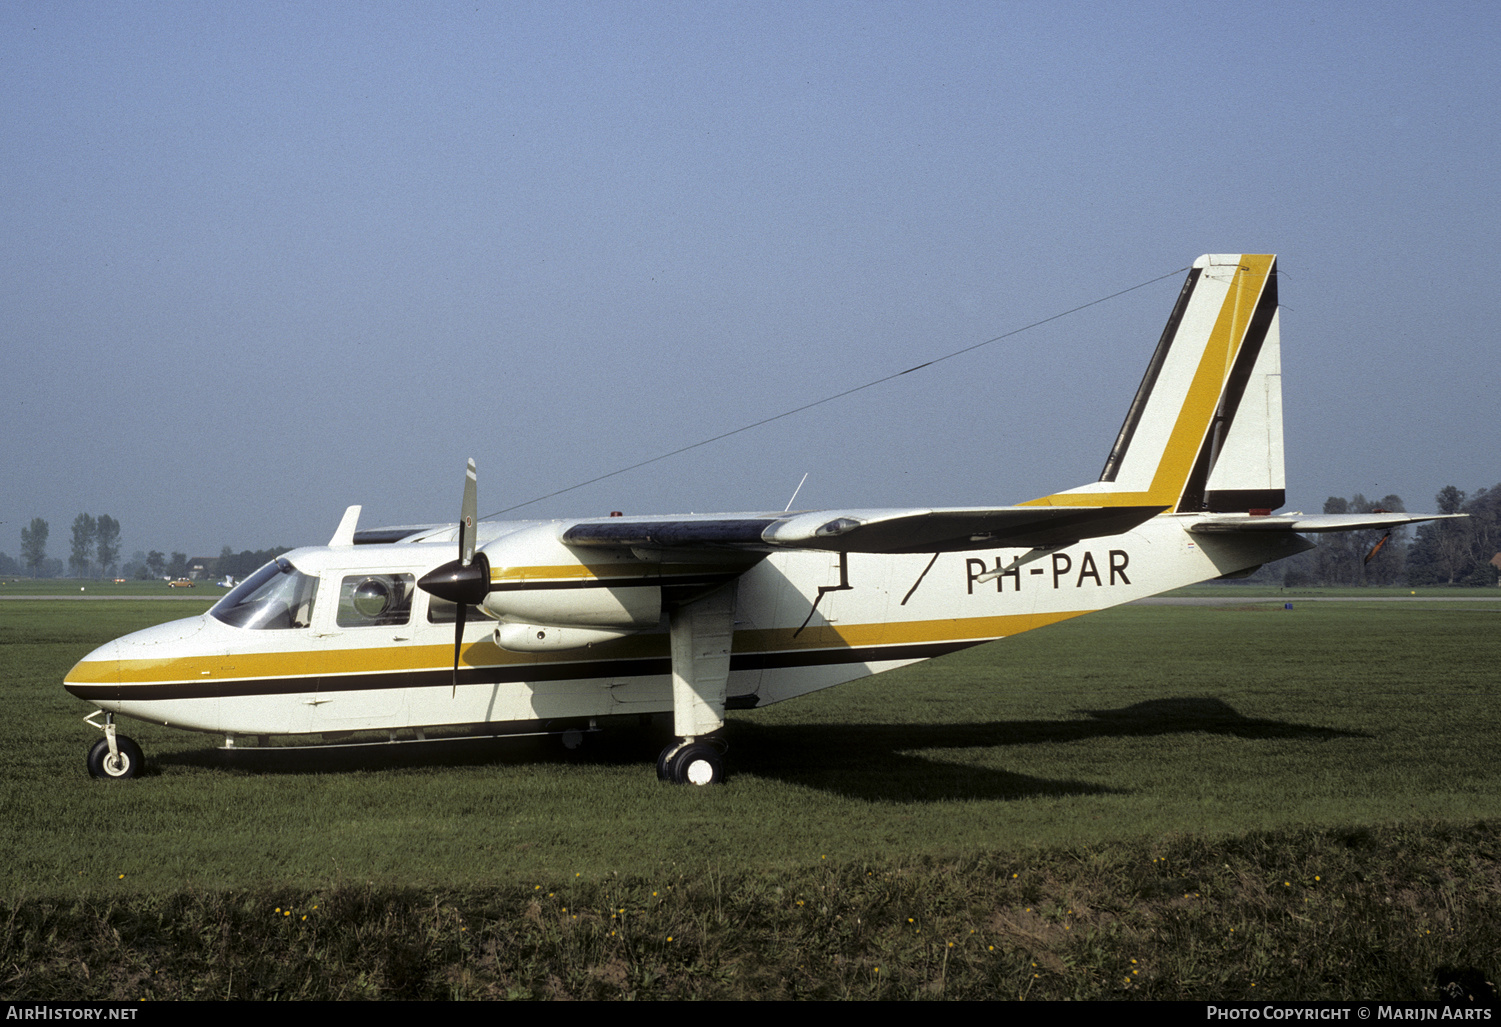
<point>114,757</point>
<point>124,763</point>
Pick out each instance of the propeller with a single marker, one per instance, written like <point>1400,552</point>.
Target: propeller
<point>465,581</point>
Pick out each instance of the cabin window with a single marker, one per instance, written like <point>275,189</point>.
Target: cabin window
<point>276,597</point>
<point>371,600</point>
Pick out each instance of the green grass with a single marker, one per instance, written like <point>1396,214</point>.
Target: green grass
<point>1223,589</point>
<point>205,590</point>
<point>1244,743</point>
<point>1390,913</point>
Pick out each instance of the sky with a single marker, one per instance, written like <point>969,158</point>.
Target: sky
<point>264,261</point>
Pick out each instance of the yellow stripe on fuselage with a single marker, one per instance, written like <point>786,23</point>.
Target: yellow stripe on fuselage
<point>399,658</point>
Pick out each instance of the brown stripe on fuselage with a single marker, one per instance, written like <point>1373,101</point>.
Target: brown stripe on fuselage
<point>484,663</point>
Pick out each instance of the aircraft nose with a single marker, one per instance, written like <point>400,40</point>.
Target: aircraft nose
<point>97,675</point>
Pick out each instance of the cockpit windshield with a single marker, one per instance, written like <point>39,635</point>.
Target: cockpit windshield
<point>277,596</point>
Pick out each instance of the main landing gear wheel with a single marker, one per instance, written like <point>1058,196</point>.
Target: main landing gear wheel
<point>125,764</point>
<point>694,763</point>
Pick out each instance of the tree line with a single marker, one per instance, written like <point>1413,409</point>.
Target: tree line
<point>1457,552</point>
<point>94,552</point>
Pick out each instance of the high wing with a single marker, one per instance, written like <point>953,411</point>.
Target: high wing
<point>866,531</point>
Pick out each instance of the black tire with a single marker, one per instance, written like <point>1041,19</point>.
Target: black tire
<point>123,767</point>
<point>697,764</point>
<point>664,767</point>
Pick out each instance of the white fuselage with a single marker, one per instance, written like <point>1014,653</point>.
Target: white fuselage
<point>802,622</point>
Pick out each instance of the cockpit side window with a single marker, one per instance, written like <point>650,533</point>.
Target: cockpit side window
<point>276,597</point>
<point>370,600</point>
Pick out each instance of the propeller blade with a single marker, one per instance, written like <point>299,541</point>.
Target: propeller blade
<point>468,515</point>
<point>458,640</point>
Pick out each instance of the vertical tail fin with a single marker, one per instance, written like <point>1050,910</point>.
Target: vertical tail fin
<point>1205,429</point>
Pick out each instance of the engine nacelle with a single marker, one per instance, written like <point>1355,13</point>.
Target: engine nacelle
<point>537,580</point>
<point>633,608</point>
<point>541,638</point>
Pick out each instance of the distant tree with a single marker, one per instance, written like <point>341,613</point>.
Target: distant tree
<point>178,568</point>
<point>1484,509</point>
<point>9,567</point>
<point>156,564</point>
<point>34,546</point>
<point>1360,557</point>
<point>84,531</point>
<point>1458,552</point>
<point>107,544</point>
<point>1453,536</point>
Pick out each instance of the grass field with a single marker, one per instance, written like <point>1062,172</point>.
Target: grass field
<point>206,590</point>
<point>1321,781</point>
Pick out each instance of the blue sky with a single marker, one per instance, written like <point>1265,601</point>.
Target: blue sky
<point>267,260</point>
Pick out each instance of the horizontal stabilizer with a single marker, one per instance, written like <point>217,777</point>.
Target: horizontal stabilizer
<point>1227,523</point>
<point>867,531</point>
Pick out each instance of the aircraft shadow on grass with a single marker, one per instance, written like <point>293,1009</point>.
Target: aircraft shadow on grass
<point>877,762</point>
<point>881,761</point>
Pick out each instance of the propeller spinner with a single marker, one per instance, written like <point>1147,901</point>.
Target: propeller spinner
<point>465,581</point>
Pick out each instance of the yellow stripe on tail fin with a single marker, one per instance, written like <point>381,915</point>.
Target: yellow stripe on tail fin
<point>1205,429</point>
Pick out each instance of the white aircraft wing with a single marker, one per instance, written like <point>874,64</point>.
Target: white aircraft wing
<point>1237,522</point>
<point>866,531</point>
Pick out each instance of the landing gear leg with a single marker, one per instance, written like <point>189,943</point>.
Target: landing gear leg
<point>114,757</point>
<point>700,635</point>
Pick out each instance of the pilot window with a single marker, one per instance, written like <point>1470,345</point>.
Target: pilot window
<point>276,597</point>
<point>373,600</point>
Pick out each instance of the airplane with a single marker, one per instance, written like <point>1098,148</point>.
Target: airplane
<point>557,626</point>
